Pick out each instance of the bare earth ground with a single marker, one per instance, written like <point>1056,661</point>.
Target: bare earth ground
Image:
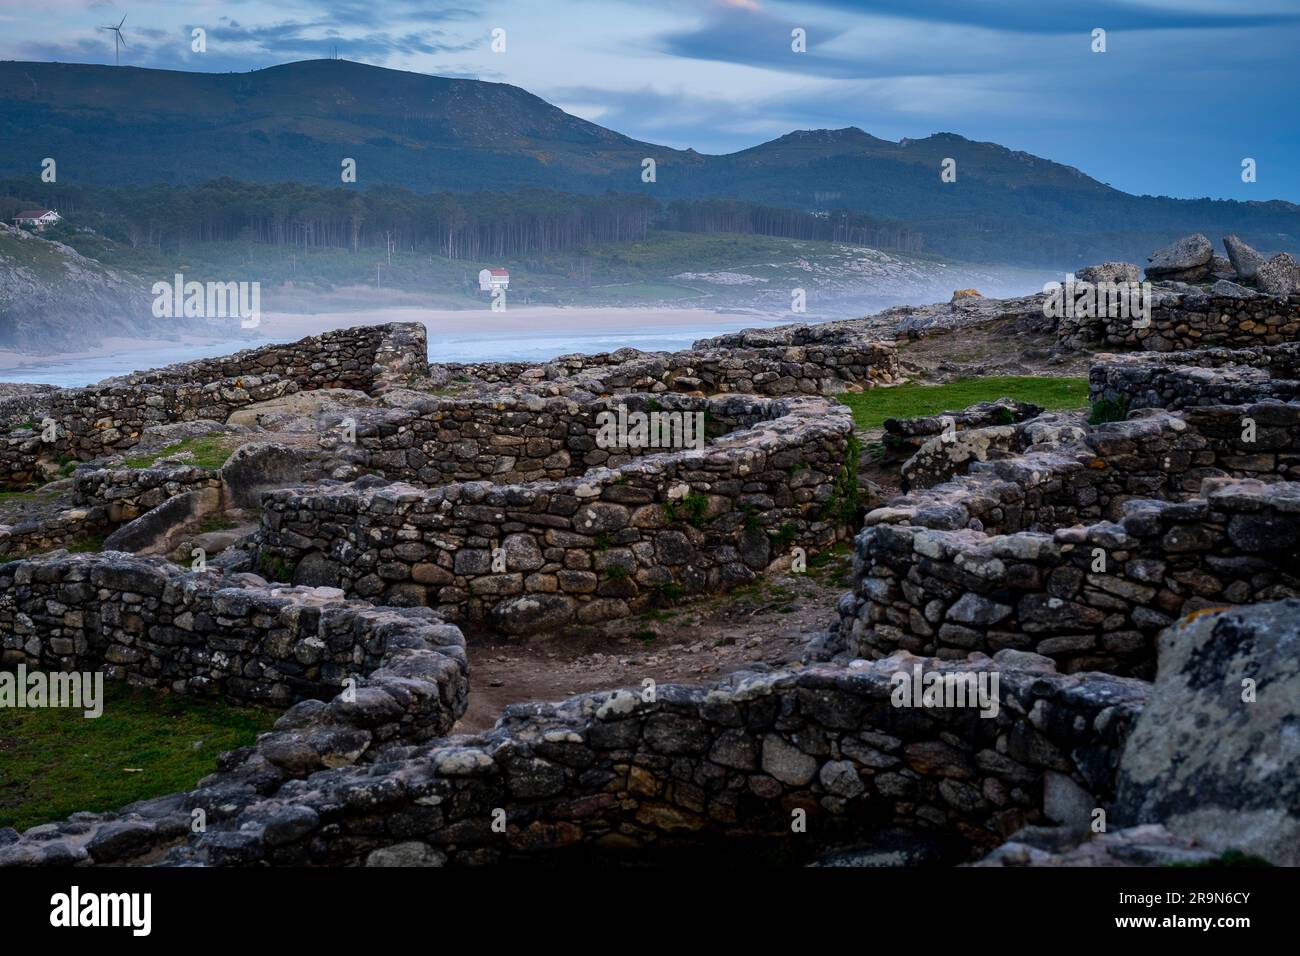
<point>766,623</point>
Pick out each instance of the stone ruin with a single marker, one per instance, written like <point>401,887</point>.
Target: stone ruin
<point>1073,563</point>
<point>578,535</point>
<point>1198,300</point>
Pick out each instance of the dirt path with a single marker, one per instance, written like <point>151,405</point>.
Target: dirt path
<point>765,623</point>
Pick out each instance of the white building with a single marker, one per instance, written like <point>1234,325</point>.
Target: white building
<point>39,218</point>
<point>489,279</point>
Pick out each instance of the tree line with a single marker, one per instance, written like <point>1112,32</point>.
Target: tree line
<point>836,225</point>
<point>475,226</point>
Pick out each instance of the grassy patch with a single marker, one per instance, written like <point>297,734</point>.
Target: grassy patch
<point>54,762</point>
<point>275,568</point>
<point>844,504</point>
<point>216,522</point>
<point>206,451</point>
<point>872,407</point>
<point>91,544</point>
<point>19,496</point>
<point>1108,410</point>
<point>833,567</point>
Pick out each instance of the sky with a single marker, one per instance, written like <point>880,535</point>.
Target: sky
<point>1184,92</point>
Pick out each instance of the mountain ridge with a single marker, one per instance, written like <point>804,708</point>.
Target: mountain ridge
<point>299,121</point>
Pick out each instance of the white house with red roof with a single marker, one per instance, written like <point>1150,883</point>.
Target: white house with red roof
<point>489,279</point>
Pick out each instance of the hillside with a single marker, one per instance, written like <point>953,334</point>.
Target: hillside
<point>122,126</point>
<point>53,299</point>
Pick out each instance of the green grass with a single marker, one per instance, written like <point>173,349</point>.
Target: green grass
<point>275,568</point>
<point>1108,410</point>
<point>19,496</point>
<point>206,451</point>
<point>872,407</point>
<point>54,762</point>
<point>91,544</point>
<point>216,522</point>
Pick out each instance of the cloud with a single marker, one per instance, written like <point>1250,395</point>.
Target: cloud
<point>746,35</point>
<point>315,38</point>
<point>1066,16</point>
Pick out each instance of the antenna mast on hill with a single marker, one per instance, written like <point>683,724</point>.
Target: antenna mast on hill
<point>117,38</point>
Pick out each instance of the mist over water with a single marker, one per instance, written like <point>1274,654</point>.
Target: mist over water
<point>484,343</point>
<point>527,333</point>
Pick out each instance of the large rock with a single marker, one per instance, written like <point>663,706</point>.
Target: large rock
<point>1279,276</point>
<point>1221,268</point>
<point>1208,764</point>
<point>261,466</point>
<point>1187,260</point>
<point>1245,260</point>
<point>1117,272</point>
<point>1231,290</point>
<point>306,406</point>
<point>534,613</point>
<point>316,570</point>
<point>158,531</point>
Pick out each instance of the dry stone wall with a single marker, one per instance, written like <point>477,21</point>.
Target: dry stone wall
<point>360,358</point>
<point>776,370</point>
<point>1191,319</point>
<point>1082,548</point>
<point>540,555</point>
<point>519,438</point>
<point>110,417</point>
<point>707,769</point>
<point>102,420</point>
<point>102,499</point>
<point>146,622</point>
<point>1197,377</point>
<point>1090,597</point>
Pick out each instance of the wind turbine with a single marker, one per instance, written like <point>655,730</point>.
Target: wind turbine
<point>117,38</point>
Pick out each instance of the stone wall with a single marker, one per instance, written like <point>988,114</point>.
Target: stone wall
<point>103,420</point>
<point>360,358</point>
<point>787,369</point>
<point>714,771</point>
<point>102,499</point>
<point>518,438</point>
<point>1191,319</point>
<point>146,622</point>
<point>109,418</point>
<point>1090,597</point>
<point>117,495</point>
<point>1000,556</point>
<point>1197,377</point>
<point>586,548</point>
